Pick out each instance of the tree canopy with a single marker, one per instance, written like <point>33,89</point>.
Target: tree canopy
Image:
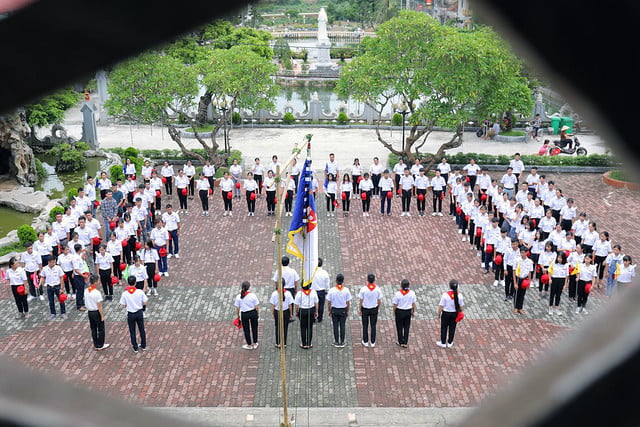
<point>445,75</point>
<point>50,109</point>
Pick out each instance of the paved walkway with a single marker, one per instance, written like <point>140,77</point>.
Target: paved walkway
<point>195,358</point>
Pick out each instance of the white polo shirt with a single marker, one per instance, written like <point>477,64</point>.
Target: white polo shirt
<point>370,295</point>
<point>52,276</point>
<point>321,280</point>
<point>289,275</point>
<point>286,302</point>
<point>92,298</point>
<point>171,220</point>
<point>404,301</point>
<point>133,301</point>
<point>248,303</point>
<point>304,301</point>
<point>448,303</point>
<point>339,297</point>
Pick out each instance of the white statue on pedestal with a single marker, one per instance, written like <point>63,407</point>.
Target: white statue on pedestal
<point>323,44</point>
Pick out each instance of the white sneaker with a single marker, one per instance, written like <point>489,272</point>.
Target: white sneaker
<point>450,345</point>
<point>496,282</point>
<point>225,213</point>
<point>247,347</point>
<point>30,298</point>
<point>169,256</point>
<point>584,311</point>
<point>372,344</point>
<point>478,253</point>
<point>550,312</point>
<point>249,214</point>
<point>558,313</point>
<point>434,214</point>
<point>230,213</point>
<point>440,214</point>
<point>440,344</point>
<point>177,256</point>
<point>459,230</point>
<point>255,345</point>
<point>408,214</point>
<point>41,297</point>
<point>155,291</point>
<point>149,291</point>
<point>577,310</point>
<point>166,274</point>
<point>501,283</point>
<point>366,344</point>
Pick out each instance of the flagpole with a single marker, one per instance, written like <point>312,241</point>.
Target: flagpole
<point>277,236</point>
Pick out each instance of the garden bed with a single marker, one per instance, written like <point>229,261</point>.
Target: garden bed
<point>619,179</point>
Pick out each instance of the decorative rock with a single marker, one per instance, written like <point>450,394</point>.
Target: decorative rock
<point>24,199</point>
<point>13,134</point>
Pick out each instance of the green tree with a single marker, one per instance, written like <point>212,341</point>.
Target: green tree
<point>445,76</point>
<point>50,109</point>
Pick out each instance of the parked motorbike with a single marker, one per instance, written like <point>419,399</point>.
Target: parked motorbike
<point>560,147</point>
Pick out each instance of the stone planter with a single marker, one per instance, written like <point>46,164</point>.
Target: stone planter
<point>503,138</point>
<point>619,184</point>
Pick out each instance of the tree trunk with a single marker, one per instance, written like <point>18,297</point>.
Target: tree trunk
<point>203,106</point>
<point>211,151</point>
<point>454,142</point>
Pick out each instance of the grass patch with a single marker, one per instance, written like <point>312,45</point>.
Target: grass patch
<point>14,247</point>
<point>513,133</point>
<point>203,129</point>
<point>620,175</point>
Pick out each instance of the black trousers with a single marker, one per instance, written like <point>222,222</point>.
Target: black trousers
<point>192,185</point>
<point>437,200</point>
<point>356,184</point>
<point>258,179</point>
<point>499,269</point>
<point>182,198</point>
<point>366,204</point>
<point>285,315</point>
<point>78,287</point>
<point>137,320</point>
<point>228,203</point>
<point>448,326</point>
<point>288,201</point>
<point>582,295</point>
<point>251,204</point>
<point>115,266</point>
<point>250,326</point>
<point>369,319</point>
<point>151,271</point>
<point>68,282</point>
<point>406,200</point>
<point>306,316</point>
<point>520,293</point>
<point>508,282</point>
<point>346,203</point>
<point>385,200</point>
<point>322,297</point>
<point>573,284</point>
<point>21,300</point>
<point>271,197</point>
<point>375,178</point>
<point>403,323</point>
<point>339,321</point>
<point>331,198</point>
<point>97,328</point>
<point>168,186</point>
<point>557,283</point>
<point>105,279</point>
<point>204,199</point>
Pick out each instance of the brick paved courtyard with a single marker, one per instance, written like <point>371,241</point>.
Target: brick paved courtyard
<point>195,358</point>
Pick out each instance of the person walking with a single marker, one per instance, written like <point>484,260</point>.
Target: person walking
<point>171,220</point>
<point>134,300</point>
<point>587,272</point>
<point>370,297</point>
<point>17,278</point>
<point>247,311</point>
<point>339,299</point>
<point>51,277</point>
<point>93,301</point>
<point>287,300</point>
<point>449,309</point>
<point>103,267</point>
<point>320,282</point>
<point>306,302</point>
<point>521,273</point>
<point>404,308</point>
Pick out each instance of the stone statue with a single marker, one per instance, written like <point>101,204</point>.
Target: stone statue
<point>322,25</point>
<point>323,66</point>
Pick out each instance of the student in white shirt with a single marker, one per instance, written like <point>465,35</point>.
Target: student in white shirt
<point>65,261</point>
<point>451,303</point>
<point>472,170</point>
<point>521,273</point>
<point>338,304</point>
<point>155,185</point>
<point>172,223</point>
<point>366,193</point>
<point>370,297</point>
<point>586,274</point>
<point>575,259</point>
<point>258,172</point>
<point>182,183</point>
<point>251,193</point>
<point>236,170</point>
<point>611,265</point>
<point>95,312</point>
<point>306,302</point>
<point>438,185</point>
<point>134,300</point>
<point>547,224</point>
<point>167,177</point>
<point>517,165</point>
<point>625,274</point>
<point>288,186</point>
<point>556,204</point>
<point>129,168</point>
<point>580,227</point>
<point>484,182</point>
<point>509,182</point>
<point>386,186</point>
<point>287,314</point>
<point>421,182</point>
<point>273,166</point>
<point>356,174</point>
<point>159,239</point>
<point>320,282</point>
<point>209,172</point>
<point>295,171</point>
<point>330,194</point>
<point>150,258</point>
<point>51,278</point>
<point>559,280</point>
<point>32,263</point>
<point>568,215</point>
<point>104,266</point>
<point>346,190</point>
<point>115,249</point>
<point>375,170</point>
<point>491,236</point>
<point>510,261</point>
<point>398,172</point>
<point>247,311</point>
<point>270,189</point>
<point>404,308</point>
<point>332,167</point>
<point>289,274</point>
<point>203,188</point>
<point>533,179</point>
<point>405,183</point>
<point>601,248</point>
<point>190,172</point>
<point>17,278</point>
<point>444,168</point>
<point>590,237</point>
<point>498,259</point>
<point>139,271</point>
<point>415,168</point>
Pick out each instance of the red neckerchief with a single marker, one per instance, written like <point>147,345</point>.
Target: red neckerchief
<point>450,293</point>
<point>131,289</point>
<point>404,291</point>
<point>339,286</point>
<point>371,286</point>
<point>91,288</point>
<point>306,291</point>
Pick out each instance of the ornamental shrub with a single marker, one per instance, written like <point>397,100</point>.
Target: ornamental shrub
<point>288,118</point>
<point>343,119</point>
<point>53,212</point>
<point>27,234</point>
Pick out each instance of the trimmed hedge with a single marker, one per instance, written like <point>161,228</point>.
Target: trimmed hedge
<point>528,159</point>
<point>168,154</point>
